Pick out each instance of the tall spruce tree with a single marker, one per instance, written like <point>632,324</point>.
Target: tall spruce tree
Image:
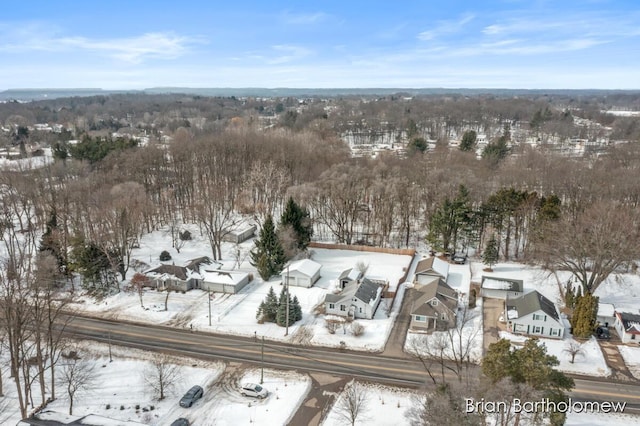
<point>490,254</point>
<point>268,309</point>
<point>468,142</point>
<point>298,218</point>
<point>268,255</point>
<point>297,309</point>
<point>281,317</point>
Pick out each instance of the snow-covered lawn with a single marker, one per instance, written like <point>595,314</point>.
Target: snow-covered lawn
<point>120,392</point>
<point>631,356</point>
<point>590,362</point>
<point>383,406</point>
<point>389,406</point>
<point>236,313</point>
<point>469,342</point>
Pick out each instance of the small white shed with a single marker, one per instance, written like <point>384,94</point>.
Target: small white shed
<point>301,273</point>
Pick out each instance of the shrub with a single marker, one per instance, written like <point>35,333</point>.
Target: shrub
<point>357,329</point>
<point>121,407</point>
<point>164,256</point>
<point>185,235</point>
<point>108,407</point>
<point>332,326</point>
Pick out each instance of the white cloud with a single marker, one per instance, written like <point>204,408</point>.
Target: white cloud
<point>446,27</point>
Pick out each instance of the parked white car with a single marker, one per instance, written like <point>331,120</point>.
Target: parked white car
<point>253,390</point>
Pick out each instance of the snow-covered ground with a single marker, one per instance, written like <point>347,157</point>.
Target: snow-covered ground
<point>236,314</point>
<point>120,392</point>
<point>589,362</point>
<point>389,406</point>
<point>631,356</point>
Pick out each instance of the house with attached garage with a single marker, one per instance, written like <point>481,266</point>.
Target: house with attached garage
<point>500,288</point>
<point>433,307</point>
<point>431,269</point>
<point>628,326</point>
<point>534,315</point>
<point>200,273</point>
<point>358,299</point>
<point>301,273</point>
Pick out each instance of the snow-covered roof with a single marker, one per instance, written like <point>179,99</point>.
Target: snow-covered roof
<point>630,322</point>
<point>304,266</point>
<point>223,277</point>
<point>512,314</point>
<point>606,309</point>
<point>433,264</point>
<point>494,283</point>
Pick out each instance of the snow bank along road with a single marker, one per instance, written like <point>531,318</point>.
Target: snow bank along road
<point>367,366</point>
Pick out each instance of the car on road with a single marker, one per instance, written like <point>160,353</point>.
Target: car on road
<point>603,333</point>
<point>192,395</point>
<point>254,390</point>
<point>180,422</point>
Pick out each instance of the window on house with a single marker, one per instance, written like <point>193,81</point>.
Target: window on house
<point>633,337</point>
<point>420,318</point>
<point>360,310</point>
<point>343,308</point>
<point>537,317</point>
<point>332,305</point>
<point>537,330</point>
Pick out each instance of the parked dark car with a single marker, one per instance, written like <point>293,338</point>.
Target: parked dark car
<point>192,395</point>
<point>603,333</point>
<point>459,259</point>
<point>180,422</point>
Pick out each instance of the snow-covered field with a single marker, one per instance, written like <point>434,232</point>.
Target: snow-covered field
<point>589,362</point>
<point>120,392</point>
<point>631,356</point>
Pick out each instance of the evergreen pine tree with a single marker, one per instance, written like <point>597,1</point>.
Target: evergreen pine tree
<point>268,308</point>
<point>490,255</point>
<point>268,255</point>
<point>299,220</point>
<point>297,309</point>
<point>281,317</point>
<point>468,142</point>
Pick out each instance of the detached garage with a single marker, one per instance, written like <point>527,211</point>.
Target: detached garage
<point>302,273</point>
<point>220,281</point>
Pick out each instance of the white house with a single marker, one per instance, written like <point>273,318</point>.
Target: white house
<point>535,315</point>
<point>301,273</point>
<point>628,326</point>
<point>359,299</point>
<point>220,281</point>
<point>606,314</point>
<point>431,269</point>
<point>500,288</point>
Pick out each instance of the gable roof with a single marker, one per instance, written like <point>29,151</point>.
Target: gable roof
<point>179,272</point>
<point>505,284</point>
<point>439,290</point>
<point>347,293</point>
<point>630,322</point>
<point>352,274</point>
<point>304,266</point>
<point>223,277</point>
<point>529,303</point>
<point>433,265</point>
<point>367,290</point>
<point>194,264</point>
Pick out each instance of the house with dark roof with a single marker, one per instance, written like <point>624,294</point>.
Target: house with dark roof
<point>535,315</point>
<point>628,326</point>
<point>434,307</point>
<point>501,288</point>
<point>431,269</point>
<point>358,299</point>
<point>180,277</point>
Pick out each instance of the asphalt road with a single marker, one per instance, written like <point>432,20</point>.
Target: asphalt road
<point>369,366</point>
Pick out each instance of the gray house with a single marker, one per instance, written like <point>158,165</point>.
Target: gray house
<point>535,315</point>
<point>431,269</point>
<point>434,307</point>
<point>359,299</point>
<point>500,288</point>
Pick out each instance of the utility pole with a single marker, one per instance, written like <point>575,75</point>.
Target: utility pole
<point>262,362</point>
<point>209,295</point>
<point>110,357</point>
<point>286,333</point>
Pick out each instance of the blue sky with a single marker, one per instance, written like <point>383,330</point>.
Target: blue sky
<point>321,44</point>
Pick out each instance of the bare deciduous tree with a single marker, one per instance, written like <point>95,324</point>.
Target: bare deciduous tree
<point>352,403</point>
<point>77,376</point>
<point>162,375</point>
<point>573,348</point>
